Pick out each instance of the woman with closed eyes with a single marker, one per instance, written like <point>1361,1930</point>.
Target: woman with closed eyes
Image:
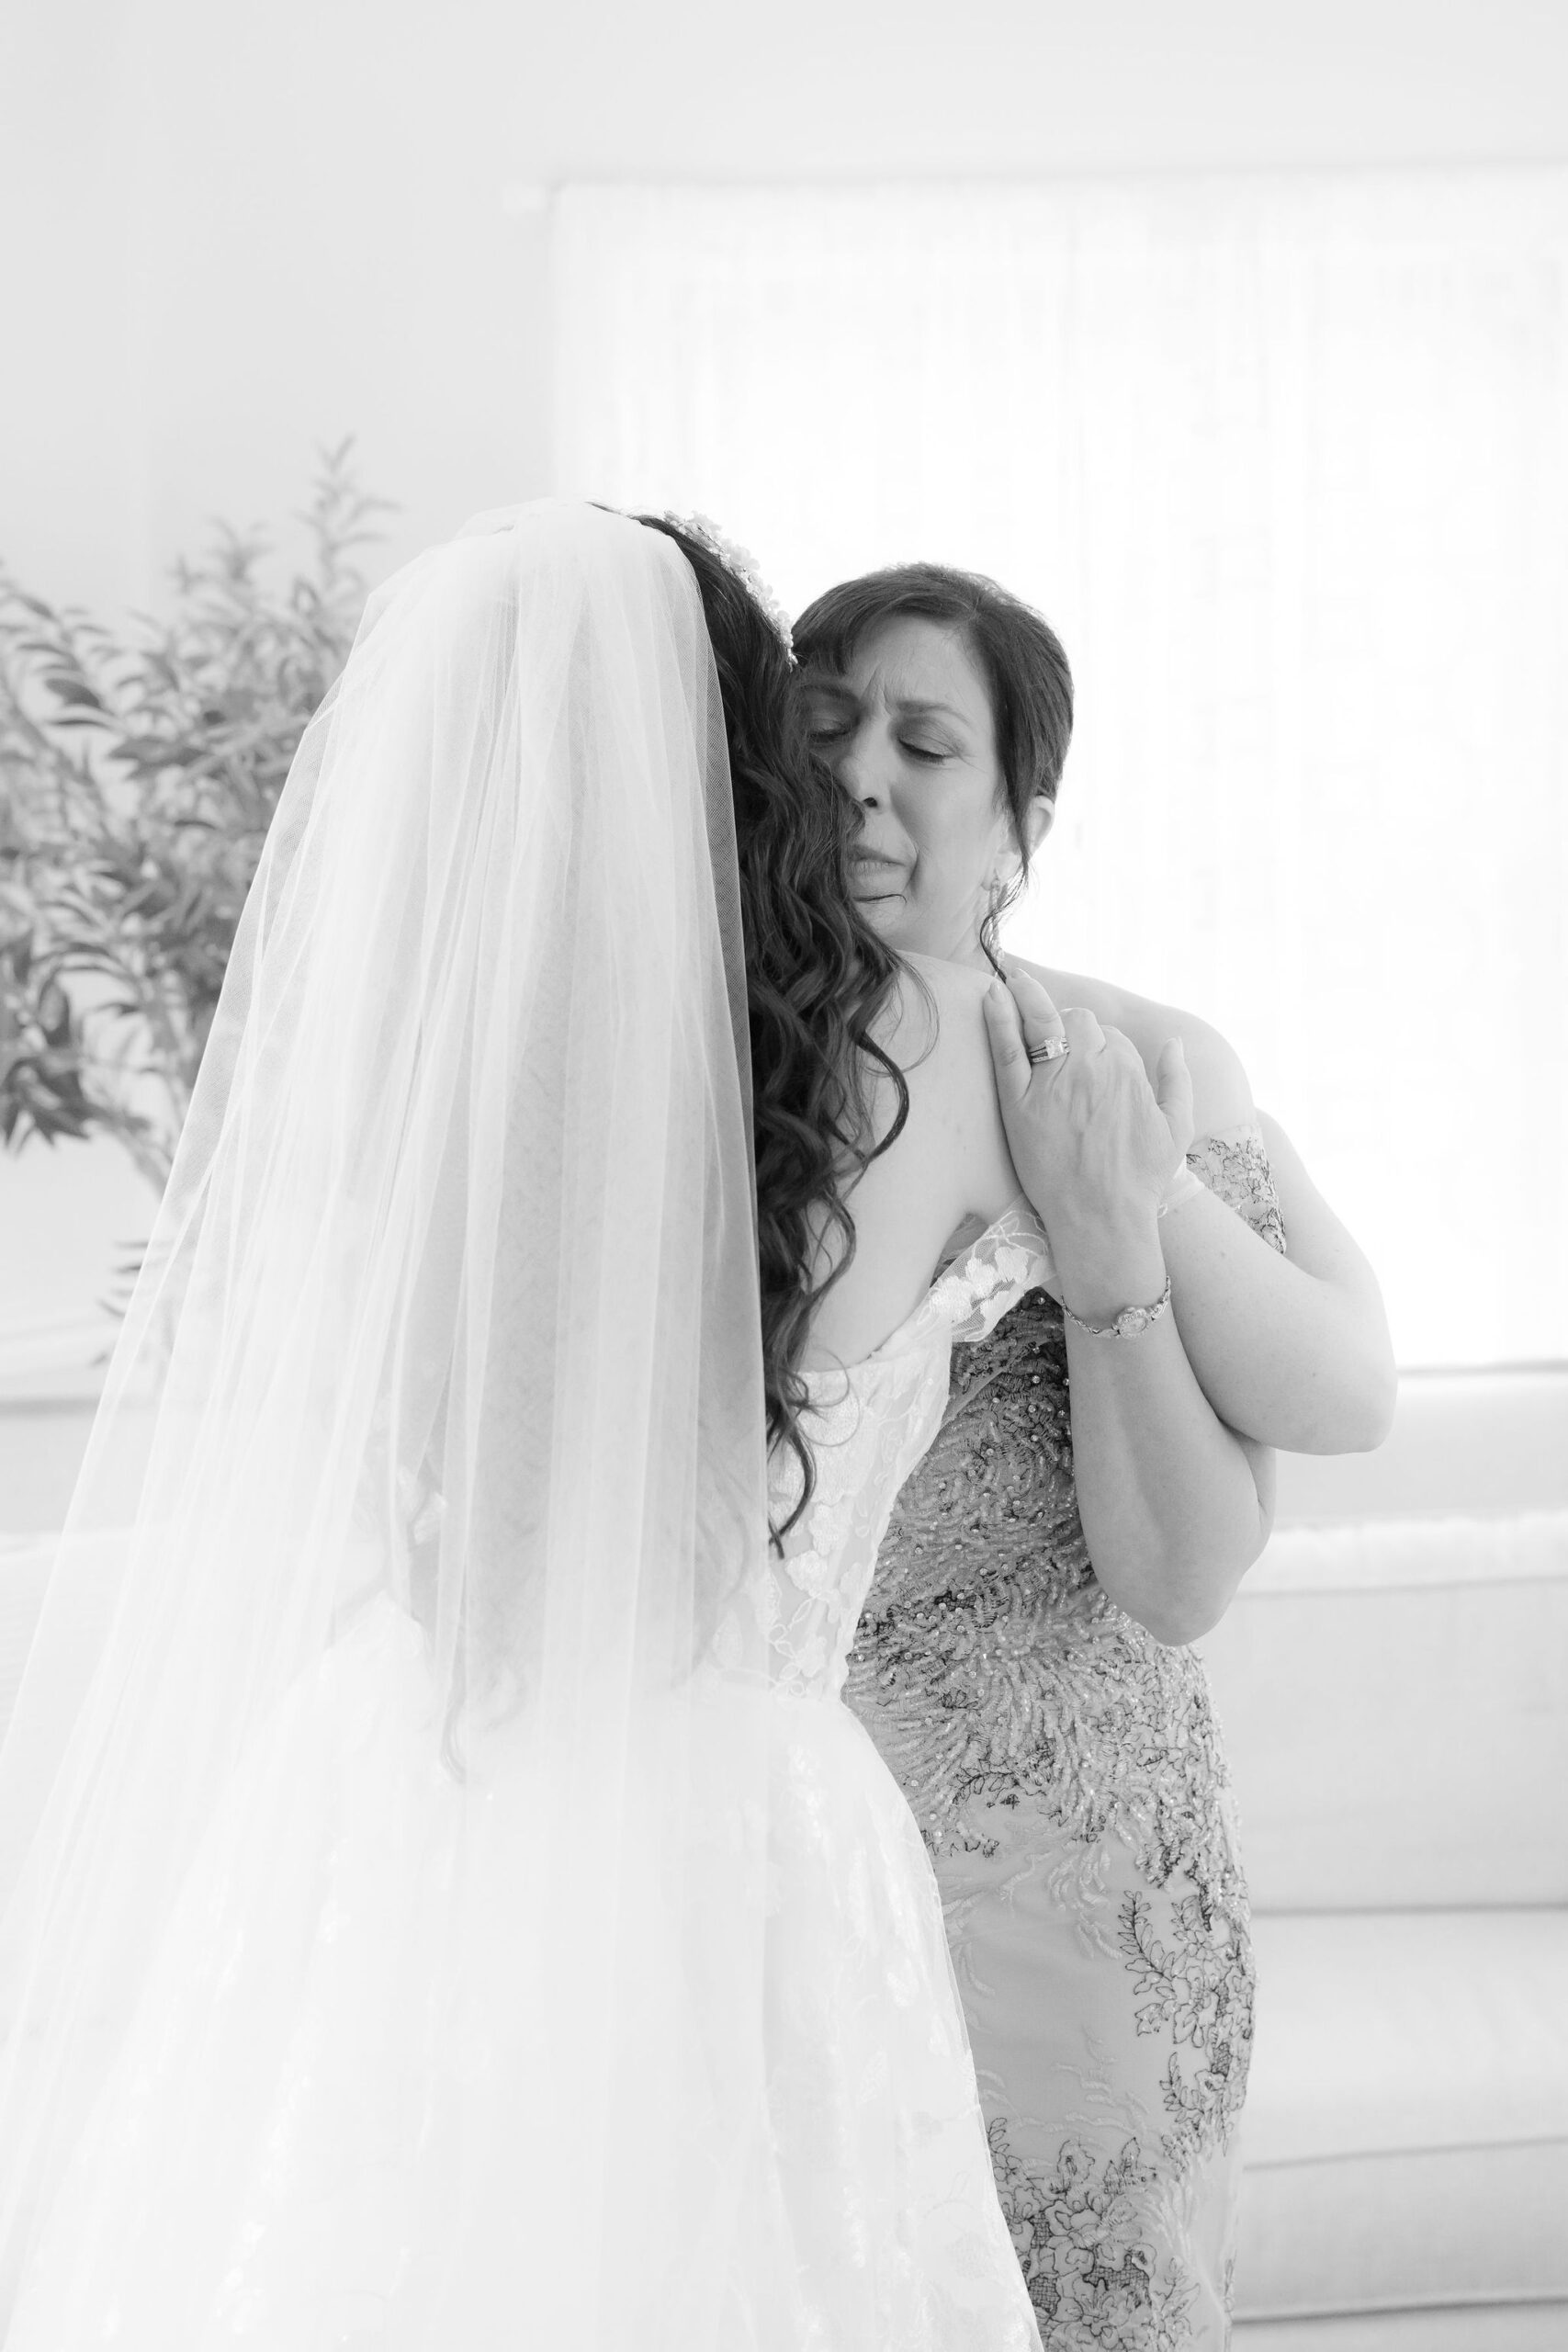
<point>1023,1658</point>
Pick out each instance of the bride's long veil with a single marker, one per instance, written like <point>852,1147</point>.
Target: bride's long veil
<point>456,1475</point>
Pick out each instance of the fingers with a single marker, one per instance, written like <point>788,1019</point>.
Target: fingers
<point>1044,1024</point>
<point>1173,1092</point>
<point>1173,1080</point>
<point>1010,1058</point>
<point>1084,1033</point>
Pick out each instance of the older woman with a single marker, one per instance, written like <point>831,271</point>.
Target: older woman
<point>1022,1661</point>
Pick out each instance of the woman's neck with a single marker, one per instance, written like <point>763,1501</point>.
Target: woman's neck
<point>957,946</point>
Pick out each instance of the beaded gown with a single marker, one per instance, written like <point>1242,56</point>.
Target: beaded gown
<point>1069,1777</point>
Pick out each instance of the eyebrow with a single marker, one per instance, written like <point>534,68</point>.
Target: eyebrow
<point>829,682</point>
<point>910,705</point>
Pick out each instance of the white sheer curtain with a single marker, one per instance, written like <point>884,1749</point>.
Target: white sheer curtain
<point>1284,461</point>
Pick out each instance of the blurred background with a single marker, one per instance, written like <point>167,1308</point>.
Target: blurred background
<point>1234,337</point>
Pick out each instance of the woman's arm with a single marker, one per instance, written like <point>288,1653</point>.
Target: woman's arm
<point>1175,1506</point>
<point>1292,1350</point>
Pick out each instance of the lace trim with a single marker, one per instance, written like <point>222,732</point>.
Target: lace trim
<point>1234,1166</point>
<point>865,1440</point>
<point>1011,1258</point>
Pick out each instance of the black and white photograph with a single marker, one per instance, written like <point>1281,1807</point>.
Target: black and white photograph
<point>783,1176</point>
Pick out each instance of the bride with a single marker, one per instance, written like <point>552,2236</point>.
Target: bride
<point>462,1915</point>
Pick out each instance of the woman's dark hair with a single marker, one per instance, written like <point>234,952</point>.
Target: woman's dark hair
<point>1019,657</point>
<point>816,976</point>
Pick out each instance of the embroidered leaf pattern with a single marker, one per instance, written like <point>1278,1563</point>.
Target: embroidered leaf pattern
<point>1045,1738</point>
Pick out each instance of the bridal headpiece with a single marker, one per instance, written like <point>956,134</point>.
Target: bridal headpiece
<point>741,564</point>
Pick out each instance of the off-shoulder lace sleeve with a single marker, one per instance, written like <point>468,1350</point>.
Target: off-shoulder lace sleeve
<point>1234,1167</point>
<point>1012,1256</point>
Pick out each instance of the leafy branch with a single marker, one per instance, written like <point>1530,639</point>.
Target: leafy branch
<point>137,782</point>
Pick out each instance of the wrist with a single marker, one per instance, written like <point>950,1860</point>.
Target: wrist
<point>1104,1270</point>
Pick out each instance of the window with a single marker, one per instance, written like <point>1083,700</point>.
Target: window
<point>1285,461</point>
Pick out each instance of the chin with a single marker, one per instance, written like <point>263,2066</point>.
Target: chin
<point>892,920</point>
<point>885,917</point>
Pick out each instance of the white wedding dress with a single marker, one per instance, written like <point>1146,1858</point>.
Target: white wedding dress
<point>271,2164</point>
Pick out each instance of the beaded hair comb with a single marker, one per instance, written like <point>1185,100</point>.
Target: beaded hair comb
<point>741,565</point>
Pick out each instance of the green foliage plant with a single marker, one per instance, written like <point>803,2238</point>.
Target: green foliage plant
<point>138,777</point>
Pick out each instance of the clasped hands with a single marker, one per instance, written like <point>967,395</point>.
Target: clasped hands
<point>1094,1143</point>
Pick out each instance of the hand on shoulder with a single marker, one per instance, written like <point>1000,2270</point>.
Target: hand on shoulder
<point>1221,1096</point>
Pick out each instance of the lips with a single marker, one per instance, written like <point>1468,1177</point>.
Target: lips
<point>875,878</point>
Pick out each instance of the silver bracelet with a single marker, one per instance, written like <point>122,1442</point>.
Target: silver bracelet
<point>1129,1323</point>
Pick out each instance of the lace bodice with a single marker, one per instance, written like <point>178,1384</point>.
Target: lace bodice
<point>873,1423</point>
<point>1067,1775</point>
<point>868,1426</point>
<point>990,1661</point>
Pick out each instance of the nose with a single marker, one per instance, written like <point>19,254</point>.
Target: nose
<point>856,771</point>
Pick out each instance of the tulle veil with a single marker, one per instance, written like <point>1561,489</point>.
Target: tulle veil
<point>450,1316</point>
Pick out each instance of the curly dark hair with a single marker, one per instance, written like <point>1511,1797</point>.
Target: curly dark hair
<point>1019,657</point>
<point>816,976</point>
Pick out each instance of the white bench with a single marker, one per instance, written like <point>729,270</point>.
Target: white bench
<point>1393,1680</point>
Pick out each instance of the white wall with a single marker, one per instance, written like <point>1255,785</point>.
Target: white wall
<point>236,231</point>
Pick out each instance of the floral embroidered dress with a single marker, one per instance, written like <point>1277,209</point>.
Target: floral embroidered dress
<point>1069,1777</point>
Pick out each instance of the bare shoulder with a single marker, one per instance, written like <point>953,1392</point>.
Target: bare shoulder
<point>947,1163</point>
<point>1221,1096</point>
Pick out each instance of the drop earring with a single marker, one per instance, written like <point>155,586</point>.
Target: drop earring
<point>996,906</point>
